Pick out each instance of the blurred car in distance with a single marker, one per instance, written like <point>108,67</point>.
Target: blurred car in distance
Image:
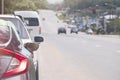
<point>61,30</point>
<point>16,62</point>
<point>74,30</point>
<point>32,21</point>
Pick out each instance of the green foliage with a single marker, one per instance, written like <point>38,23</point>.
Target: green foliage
<point>41,4</point>
<point>61,17</point>
<point>82,4</point>
<point>28,5</point>
<point>10,6</point>
<point>114,27</point>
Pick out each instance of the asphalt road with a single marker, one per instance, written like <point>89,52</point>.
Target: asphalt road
<point>76,56</point>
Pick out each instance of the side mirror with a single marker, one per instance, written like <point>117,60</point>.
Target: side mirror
<point>38,39</point>
<point>31,46</point>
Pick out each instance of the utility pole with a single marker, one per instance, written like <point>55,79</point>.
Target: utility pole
<point>2,6</point>
<point>105,25</point>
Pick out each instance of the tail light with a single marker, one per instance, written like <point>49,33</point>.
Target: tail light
<point>17,65</point>
<point>39,30</point>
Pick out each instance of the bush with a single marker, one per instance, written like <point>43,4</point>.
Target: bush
<point>114,27</point>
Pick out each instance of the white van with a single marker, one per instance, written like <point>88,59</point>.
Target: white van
<point>32,20</point>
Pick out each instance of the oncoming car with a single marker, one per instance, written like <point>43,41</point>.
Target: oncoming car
<point>16,61</point>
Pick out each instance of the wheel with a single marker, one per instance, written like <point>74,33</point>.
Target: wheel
<point>65,32</point>
<point>37,71</point>
<point>31,74</point>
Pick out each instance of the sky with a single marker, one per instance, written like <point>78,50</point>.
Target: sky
<point>54,1</point>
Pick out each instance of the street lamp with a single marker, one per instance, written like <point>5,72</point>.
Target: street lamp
<point>2,3</point>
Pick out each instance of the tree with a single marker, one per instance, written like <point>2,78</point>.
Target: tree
<point>82,4</point>
<point>10,6</point>
<point>28,5</point>
<point>41,4</point>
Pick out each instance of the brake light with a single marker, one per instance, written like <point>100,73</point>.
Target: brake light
<point>13,64</point>
<point>39,30</point>
<point>18,65</point>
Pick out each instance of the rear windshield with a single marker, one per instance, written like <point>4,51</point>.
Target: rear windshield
<point>4,34</point>
<point>20,27</point>
<point>31,21</point>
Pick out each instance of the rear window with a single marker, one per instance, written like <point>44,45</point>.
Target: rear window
<point>31,21</point>
<point>20,27</point>
<point>4,34</point>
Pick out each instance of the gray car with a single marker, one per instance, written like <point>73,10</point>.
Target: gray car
<point>74,30</point>
<point>27,49</point>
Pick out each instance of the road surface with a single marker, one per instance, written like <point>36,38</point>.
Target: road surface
<point>76,56</point>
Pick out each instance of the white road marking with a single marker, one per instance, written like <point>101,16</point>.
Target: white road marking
<point>98,45</point>
<point>75,38</point>
<point>83,41</point>
<point>118,51</point>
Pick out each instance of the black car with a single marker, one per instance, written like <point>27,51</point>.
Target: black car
<point>61,30</point>
<point>16,61</point>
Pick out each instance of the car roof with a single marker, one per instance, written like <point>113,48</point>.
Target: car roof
<point>62,27</point>
<point>9,15</point>
<point>2,22</point>
<point>25,13</point>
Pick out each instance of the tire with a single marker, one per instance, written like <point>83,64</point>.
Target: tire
<point>37,71</point>
<point>31,74</point>
<point>65,32</point>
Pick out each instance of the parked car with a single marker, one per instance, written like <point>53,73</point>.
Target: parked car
<point>61,30</point>
<point>24,36</point>
<point>32,21</point>
<point>74,30</point>
<point>16,62</point>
